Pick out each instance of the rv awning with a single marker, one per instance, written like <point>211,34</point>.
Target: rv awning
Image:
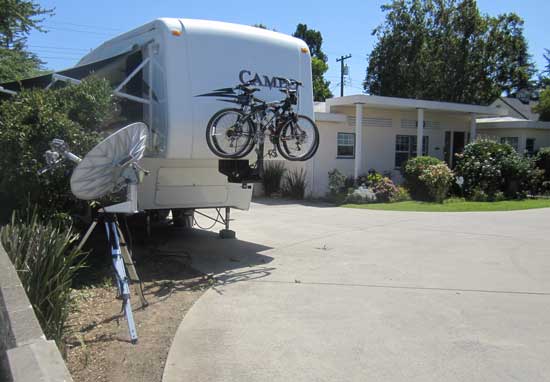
<point>77,72</point>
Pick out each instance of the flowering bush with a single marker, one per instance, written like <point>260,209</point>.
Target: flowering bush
<point>489,167</point>
<point>437,179</point>
<point>412,170</point>
<point>384,189</point>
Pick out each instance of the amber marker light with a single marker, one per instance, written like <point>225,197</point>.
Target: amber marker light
<point>176,33</point>
<point>304,50</point>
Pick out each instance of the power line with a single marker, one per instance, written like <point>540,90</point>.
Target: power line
<point>57,48</point>
<point>59,58</point>
<point>84,25</point>
<point>57,52</point>
<point>80,31</point>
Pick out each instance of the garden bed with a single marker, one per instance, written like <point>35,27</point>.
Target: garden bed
<point>456,205</point>
<point>96,340</point>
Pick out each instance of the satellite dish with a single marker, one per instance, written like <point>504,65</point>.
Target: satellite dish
<point>107,168</point>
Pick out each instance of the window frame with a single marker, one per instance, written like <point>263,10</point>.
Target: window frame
<point>508,139</point>
<point>412,147</point>
<point>532,151</point>
<point>338,145</point>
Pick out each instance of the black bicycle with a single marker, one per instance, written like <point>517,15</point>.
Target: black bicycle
<point>234,132</point>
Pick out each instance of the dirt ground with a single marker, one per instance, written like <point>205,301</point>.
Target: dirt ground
<point>97,343</point>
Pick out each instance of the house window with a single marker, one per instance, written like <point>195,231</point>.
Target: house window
<point>346,145</point>
<point>530,146</point>
<point>512,141</point>
<point>405,148</point>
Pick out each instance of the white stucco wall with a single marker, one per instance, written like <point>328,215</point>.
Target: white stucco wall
<point>541,136</point>
<point>380,128</point>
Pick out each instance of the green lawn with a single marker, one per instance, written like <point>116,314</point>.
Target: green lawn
<point>456,205</point>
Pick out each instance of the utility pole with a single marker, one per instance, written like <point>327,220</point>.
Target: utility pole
<point>341,61</point>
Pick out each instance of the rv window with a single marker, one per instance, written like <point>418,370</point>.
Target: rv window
<point>133,111</point>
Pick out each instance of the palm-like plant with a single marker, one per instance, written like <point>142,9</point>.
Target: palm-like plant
<point>46,259</point>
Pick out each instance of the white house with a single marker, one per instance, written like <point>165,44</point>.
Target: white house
<point>520,127</point>
<point>363,132</point>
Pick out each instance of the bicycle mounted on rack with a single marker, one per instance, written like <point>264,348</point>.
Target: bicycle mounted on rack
<point>233,133</point>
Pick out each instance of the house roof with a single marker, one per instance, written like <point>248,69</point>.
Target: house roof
<point>407,103</point>
<point>511,123</point>
<point>523,109</point>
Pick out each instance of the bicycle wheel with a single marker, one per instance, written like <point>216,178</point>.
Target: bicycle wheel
<point>229,134</point>
<point>298,140</point>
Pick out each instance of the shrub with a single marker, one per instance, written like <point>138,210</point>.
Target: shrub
<point>374,178</point>
<point>478,195</point>
<point>361,195</point>
<point>401,195</point>
<point>437,179</point>
<point>384,189</point>
<point>273,174</point>
<point>336,182</point>
<point>349,182</point>
<point>28,122</point>
<point>412,170</point>
<point>362,179</point>
<point>46,259</point>
<point>542,160</point>
<point>520,176</point>
<point>489,167</point>
<point>294,184</point>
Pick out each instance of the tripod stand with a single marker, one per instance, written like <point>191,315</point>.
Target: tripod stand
<point>122,261</point>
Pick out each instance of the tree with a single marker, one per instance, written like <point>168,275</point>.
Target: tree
<point>28,122</point>
<point>543,107</point>
<point>17,19</point>
<point>319,67</point>
<point>446,50</point>
<point>17,64</point>
<point>544,75</point>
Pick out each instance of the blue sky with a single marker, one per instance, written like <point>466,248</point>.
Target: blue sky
<point>79,26</point>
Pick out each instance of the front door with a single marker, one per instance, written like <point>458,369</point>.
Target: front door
<point>454,144</point>
<point>458,145</point>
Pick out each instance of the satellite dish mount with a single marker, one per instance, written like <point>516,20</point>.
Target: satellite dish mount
<point>108,168</point>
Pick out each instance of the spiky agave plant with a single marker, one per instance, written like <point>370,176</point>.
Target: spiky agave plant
<point>273,174</point>
<point>294,184</point>
<point>45,256</point>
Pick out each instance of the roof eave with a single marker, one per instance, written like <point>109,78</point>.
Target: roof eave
<point>406,103</point>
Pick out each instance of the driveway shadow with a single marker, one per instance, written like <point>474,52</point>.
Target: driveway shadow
<point>226,260</point>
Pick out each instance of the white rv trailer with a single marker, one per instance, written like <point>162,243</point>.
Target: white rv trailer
<point>175,60</point>
<point>158,71</point>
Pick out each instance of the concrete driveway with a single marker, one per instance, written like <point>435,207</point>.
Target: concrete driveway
<point>315,293</point>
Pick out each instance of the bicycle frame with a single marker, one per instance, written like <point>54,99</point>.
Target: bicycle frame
<point>256,114</point>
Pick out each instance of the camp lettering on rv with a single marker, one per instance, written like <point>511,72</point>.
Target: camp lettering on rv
<point>260,80</point>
